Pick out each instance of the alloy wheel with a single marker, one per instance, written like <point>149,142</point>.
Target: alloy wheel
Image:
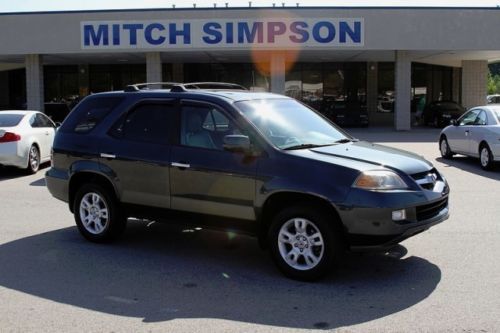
<point>94,213</point>
<point>301,244</point>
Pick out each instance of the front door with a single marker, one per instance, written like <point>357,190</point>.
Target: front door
<point>205,178</point>
<point>458,136</point>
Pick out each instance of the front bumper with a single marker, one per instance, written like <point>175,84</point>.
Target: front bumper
<point>372,228</point>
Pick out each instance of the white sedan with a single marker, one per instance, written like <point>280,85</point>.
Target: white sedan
<point>26,139</point>
<point>476,133</point>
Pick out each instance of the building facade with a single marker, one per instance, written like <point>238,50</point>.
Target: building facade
<point>383,63</point>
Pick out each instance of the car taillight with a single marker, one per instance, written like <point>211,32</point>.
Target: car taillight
<point>10,137</point>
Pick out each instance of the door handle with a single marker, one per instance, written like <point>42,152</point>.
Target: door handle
<point>180,165</point>
<point>47,133</point>
<point>110,156</point>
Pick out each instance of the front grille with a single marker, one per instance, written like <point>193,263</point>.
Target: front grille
<point>427,179</point>
<point>428,211</point>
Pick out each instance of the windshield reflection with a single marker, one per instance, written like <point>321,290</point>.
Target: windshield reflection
<point>288,124</point>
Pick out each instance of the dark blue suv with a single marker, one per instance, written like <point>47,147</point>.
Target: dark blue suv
<point>258,163</point>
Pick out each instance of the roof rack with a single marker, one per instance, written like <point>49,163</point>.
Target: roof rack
<point>213,85</point>
<point>182,87</point>
<point>142,86</point>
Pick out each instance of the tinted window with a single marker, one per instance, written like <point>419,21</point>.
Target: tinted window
<point>41,121</point>
<point>10,120</point>
<point>89,113</point>
<point>146,123</point>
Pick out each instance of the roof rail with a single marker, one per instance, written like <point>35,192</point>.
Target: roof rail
<point>141,86</point>
<point>213,85</point>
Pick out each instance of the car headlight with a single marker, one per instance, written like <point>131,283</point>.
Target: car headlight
<point>379,180</point>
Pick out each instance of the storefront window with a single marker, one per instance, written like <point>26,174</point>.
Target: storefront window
<point>115,77</point>
<point>386,95</point>
<point>60,83</point>
<point>240,73</point>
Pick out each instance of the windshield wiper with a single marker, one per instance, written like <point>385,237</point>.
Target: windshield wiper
<point>346,140</point>
<point>306,146</point>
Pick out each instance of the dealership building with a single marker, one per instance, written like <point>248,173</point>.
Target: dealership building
<point>388,62</point>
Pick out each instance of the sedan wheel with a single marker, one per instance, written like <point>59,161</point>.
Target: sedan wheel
<point>485,157</point>
<point>33,160</point>
<point>444,148</point>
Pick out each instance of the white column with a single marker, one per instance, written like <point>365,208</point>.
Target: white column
<point>153,67</point>
<point>402,84</point>
<point>277,69</point>
<point>474,80</point>
<point>34,82</point>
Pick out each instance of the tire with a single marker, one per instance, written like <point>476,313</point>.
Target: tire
<point>296,253</point>
<point>97,214</point>
<point>444,148</point>
<point>33,160</point>
<point>485,157</point>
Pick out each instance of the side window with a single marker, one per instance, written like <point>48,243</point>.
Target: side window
<point>146,123</point>
<point>468,118</point>
<point>481,119</point>
<point>42,121</point>
<point>205,127</point>
<point>89,113</point>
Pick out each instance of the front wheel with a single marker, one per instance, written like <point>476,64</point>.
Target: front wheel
<point>304,243</point>
<point>97,215</point>
<point>486,157</point>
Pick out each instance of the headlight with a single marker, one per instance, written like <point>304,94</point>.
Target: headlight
<point>379,180</point>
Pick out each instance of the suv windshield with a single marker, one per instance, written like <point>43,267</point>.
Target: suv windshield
<point>288,124</point>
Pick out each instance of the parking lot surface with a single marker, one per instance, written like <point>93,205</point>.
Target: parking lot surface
<point>164,278</point>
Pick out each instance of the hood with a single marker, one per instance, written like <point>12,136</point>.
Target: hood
<point>376,155</point>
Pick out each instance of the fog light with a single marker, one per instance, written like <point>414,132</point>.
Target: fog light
<point>399,215</point>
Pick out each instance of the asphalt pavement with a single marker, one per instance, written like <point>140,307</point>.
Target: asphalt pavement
<point>163,278</point>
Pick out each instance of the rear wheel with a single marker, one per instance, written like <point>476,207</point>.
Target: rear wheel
<point>97,215</point>
<point>303,242</point>
<point>485,157</point>
<point>444,148</point>
<point>33,160</point>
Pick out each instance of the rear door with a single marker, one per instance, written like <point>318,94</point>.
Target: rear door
<point>137,151</point>
<point>46,132</point>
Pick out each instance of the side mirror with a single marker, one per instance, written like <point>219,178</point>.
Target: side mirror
<point>237,143</point>
<point>454,122</point>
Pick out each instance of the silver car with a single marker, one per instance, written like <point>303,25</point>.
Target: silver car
<point>476,133</point>
<point>26,139</point>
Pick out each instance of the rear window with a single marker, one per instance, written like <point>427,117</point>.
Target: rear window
<point>497,114</point>
<point>89,113</point>
<point>10,120</point>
